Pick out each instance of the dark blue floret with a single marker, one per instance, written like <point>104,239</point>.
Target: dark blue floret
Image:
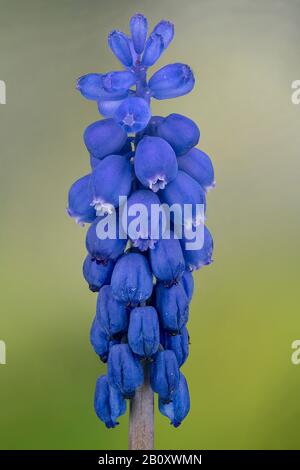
<point>104,249</point>
<point>133,114</point>
<point>179,407</point>
<point>187,281</point>
<point>150,227</point>
<point>119,44</point>
<point>164,375</point>
<point>80,199</point>
<point>173,307</point>
<point>155,163</point>
<point>143,331</point>
<point>166,30</point>
<point>153,49</point>
<point>125,373</point>
<point>101,341</point>
<point>179,344</point>
<point>185,190</point>
<point>97,274</point>
<point>199,166</point>
<point>171,81</point>
<point>108,403</point>
<point>131,280</point>
<point>195,259</point>
<point>111,314</point>
<point>104,137</point>
<point>166,260</point>
<point>111,179</point>
<point>181,133</point>
<point>139,29</point>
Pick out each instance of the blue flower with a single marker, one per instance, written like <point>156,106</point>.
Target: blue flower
<point>104,137</point>
<point>131,280</point>
<point>119,44</point>
<point>97,274</point>
<point>80,198</point>
<point>187,281</point>
<point>90,85</point>
<point>101,341</point>
<point>179,344</point>
<point>111,179</point>
<point>195,259</point>
<point>143,331</point>
<point>173,307</point>
<point>199,166</point>
<point>119,81</point>
<point>166,30</point>
<point>139,29</point>
<point>164,375</point>
<point>109,248</point>
<point>166,260</point>
<point>108,403</point>
<point>181,133</point>
<point>153,49</point>
<point>133,114</point>
<point>155,163</point>
<point>111,315</point>
<point>143,228</point>
<point>171,81</point>
<point>125,373</point>
<point>179,407</point>
<point>182,191</point>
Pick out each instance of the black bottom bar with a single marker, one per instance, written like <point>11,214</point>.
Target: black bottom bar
<point>132,459</point>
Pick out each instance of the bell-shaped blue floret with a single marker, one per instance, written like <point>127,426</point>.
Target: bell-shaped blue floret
<point>104,249</point>
<point>118,81</point>
<point>171,81</point>
<point>101,341</point>
<point>179,344</point>
<point>125,373</point>
<point>166,260</point>
<point>119,44</point>
<point>141,219</point>
<point>138,29</point>
<point>187,281</point>
<point>133,114</point>
<point>164,375</point>
<point>108,403</point>
<point>153,49</point>
<point>131,280</point>
<point>155,163</point>
<point>79,201</point>
<point>90,85</point>
<point>199,166</point>
<point>181,133</point>
<point>104,137</point>
<point>110,86</point>
<point>189,197</point>
<point>97,274</point>
<point>111,179</point>
<point>143,331</point>
<point>179,407</point>
<point>195,259</point>
<point>172,306</point>
<point>166,30</point>
<point>111,314</point>
<point>108,108</point>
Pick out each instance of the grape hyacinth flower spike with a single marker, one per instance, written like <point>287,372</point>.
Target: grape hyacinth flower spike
<point>143,172</point>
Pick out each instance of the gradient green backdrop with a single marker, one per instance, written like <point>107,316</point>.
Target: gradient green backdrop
<point>245,312</point>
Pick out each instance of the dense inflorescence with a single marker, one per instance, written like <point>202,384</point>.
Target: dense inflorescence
<point>145,282</point>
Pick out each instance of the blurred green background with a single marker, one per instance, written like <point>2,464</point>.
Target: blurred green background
<point>245,312</point>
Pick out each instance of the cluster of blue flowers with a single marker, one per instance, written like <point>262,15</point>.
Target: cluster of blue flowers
<point>144,285</point>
